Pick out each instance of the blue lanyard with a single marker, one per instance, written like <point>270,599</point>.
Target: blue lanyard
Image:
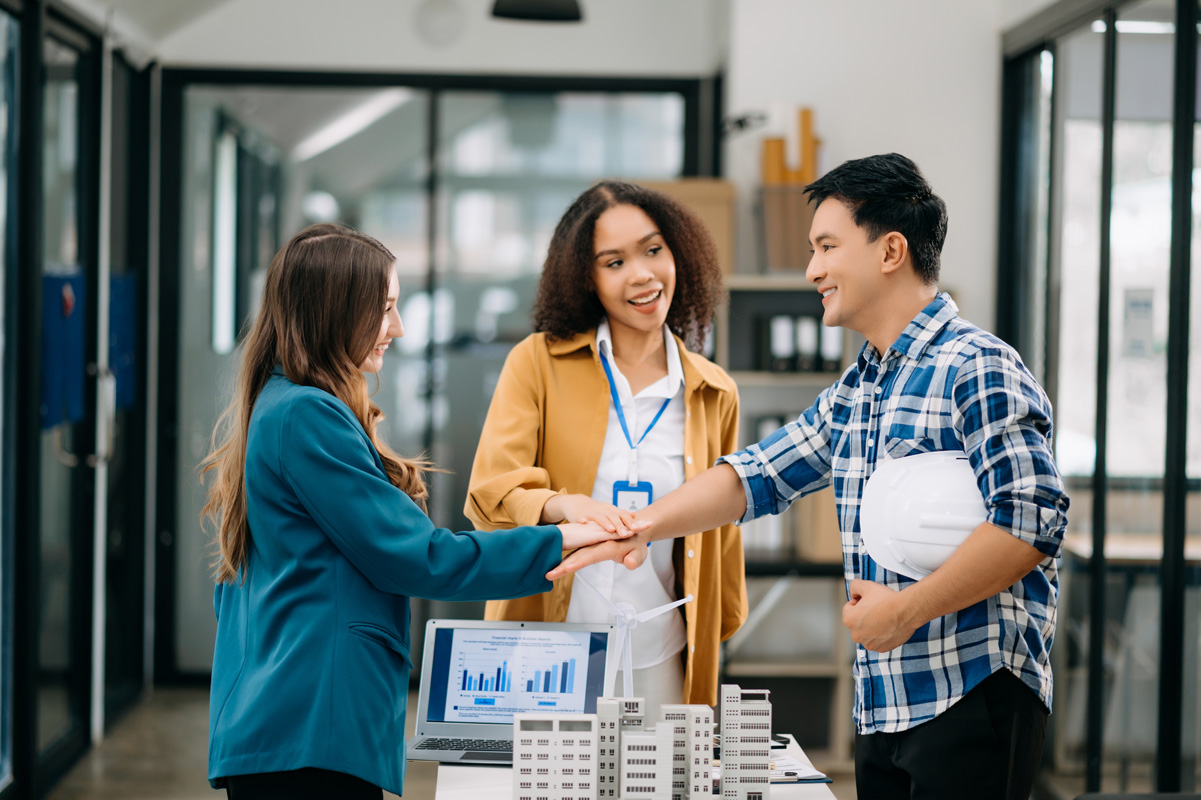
<point>621,417</point>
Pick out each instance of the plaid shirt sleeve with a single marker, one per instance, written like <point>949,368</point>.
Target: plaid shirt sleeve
<point>791,462</point>
<point>1005,421</point>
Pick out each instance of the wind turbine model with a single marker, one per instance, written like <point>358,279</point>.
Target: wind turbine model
<point>627,618</point>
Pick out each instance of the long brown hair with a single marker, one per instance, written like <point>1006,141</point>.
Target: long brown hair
<point>323,301</point>
<point>566,303</point>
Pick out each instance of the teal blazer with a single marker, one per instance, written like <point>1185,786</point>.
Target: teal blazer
<point>311,666</point>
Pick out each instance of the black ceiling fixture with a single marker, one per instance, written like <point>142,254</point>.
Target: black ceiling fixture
<point>538,10</point>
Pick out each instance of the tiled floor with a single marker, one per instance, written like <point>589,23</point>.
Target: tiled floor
<point>159,752</point>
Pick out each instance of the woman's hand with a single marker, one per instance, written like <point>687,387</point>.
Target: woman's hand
<point>582,534</point>
<point>630,552</point>
<point>582,508</point>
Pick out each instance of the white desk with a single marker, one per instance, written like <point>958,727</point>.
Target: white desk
<point>475,781</point>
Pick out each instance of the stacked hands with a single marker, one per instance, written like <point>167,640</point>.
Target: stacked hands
<point>598,532</point>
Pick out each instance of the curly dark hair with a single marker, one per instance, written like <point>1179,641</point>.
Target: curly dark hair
<point>567,304</point>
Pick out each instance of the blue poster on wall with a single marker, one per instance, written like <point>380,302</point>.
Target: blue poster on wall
<point>122,337</point>
<point>64,363</point>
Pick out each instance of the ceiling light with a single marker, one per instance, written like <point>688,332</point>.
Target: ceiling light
<point>538,10</point>
<point>353,122</point>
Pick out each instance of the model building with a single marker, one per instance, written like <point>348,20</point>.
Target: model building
<point>745,743</point>
<point>554,757</point>
<point>692,738</point>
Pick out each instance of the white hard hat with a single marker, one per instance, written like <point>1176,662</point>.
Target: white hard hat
<point>916,510</point>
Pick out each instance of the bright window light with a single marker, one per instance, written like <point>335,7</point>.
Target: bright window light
<point>225,241</point>
<point>353,122</point>
<point>1138,26</point>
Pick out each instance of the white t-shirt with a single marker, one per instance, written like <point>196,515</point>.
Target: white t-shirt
<point>661,462</point>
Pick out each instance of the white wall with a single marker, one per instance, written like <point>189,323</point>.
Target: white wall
<point>920,78</point>
<point>1014,12</point>
<point>617,37</point>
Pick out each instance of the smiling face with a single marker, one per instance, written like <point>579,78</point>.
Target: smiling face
<point>390,328</point>
<point>846,268</point>
<point>633,271</point>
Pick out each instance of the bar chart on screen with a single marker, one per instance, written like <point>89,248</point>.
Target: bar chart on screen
<point>557,677</point>
<point>486,677</point>
<point>494,674</point>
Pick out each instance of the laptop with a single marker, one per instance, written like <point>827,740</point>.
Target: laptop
<point>476,674</point>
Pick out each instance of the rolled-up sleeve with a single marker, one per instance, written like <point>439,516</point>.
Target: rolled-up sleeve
<point>1005,421</point>
<point>789,463</point>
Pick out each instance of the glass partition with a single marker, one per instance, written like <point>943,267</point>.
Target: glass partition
<point>9,39</point>
<point>1140,241</point>
<point>261,163</point>
<point>469,231</point>
<point>510,165</point>
<point>62,665</point>
<point>1191,739</point>
<point>1076,259</point>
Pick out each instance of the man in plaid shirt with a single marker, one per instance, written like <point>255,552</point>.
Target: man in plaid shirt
<point>952,673</point>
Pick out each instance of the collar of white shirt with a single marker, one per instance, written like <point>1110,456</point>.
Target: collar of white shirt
<point>665,387</point>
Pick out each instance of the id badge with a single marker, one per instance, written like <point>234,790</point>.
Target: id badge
<point>632,496</point>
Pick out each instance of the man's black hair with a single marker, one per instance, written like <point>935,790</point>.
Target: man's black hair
<point>888,193</point>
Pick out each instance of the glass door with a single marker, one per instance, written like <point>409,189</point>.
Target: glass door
<point>125,401</point>
<point>1078,133</point>
<point>67,346</point>
<point>1126,692</point>
<point>9,38</point>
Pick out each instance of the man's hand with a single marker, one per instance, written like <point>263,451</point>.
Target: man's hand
<point>631,552</point>
<point>989,561</point>
<point>877,616</point>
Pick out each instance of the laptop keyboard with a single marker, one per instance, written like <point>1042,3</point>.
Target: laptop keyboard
<point>494,745</point>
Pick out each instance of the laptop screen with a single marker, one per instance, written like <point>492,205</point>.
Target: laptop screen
<point>486,675</point>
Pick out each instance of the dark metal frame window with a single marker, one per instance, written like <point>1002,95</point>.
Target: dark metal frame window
<point>9,73</point>
<point>1013,290</point>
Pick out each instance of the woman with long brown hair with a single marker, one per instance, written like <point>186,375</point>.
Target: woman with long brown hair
<point>607,406</point>
<point>322,538</point>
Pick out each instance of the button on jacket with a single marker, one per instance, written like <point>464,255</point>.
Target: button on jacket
<point>311,666</point>
<point>544,434</point>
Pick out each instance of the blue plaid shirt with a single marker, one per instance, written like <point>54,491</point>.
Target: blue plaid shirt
<point>943,385</point>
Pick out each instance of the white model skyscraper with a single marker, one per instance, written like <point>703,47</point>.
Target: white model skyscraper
<point>615,716</point>
<point>646,761</point>
<point>692,762</point>
<point>745,743</point>
<point>554,757</point>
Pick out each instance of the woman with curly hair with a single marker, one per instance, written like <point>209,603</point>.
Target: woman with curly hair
<point>322,538</point>
<point>608,406</point>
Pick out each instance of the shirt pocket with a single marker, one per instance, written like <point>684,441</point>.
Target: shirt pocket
<point>898,447</point>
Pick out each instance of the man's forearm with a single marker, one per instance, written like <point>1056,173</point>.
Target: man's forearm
<point>707,501</point>
<point>988,562</point>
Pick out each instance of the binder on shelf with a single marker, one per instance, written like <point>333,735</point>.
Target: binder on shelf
<point>831,350</point>
<point>807,344</point>
<point>781,344</point>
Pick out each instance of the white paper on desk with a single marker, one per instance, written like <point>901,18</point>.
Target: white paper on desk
<point>804,772</point>
<point>782,764</point>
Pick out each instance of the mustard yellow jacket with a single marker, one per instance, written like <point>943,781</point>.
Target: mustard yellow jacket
<point>544,434</point>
